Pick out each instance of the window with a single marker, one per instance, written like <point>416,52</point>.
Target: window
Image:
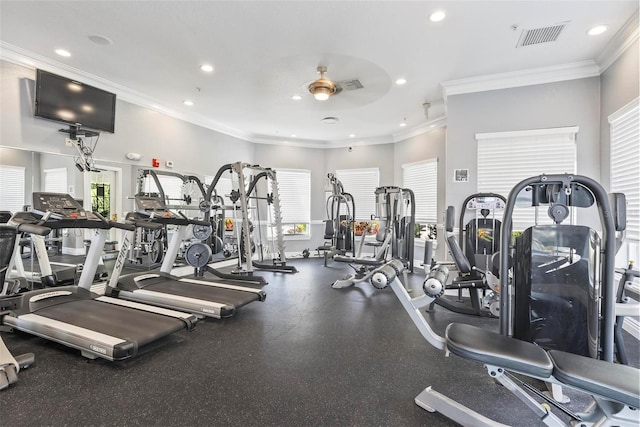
<point>294,190</point>
<point>422,179</point>
<point>171,185</point>
<point>625,168</point>
<point>223,187</point>
<point>361,184</point>
<point>55,180</point>
<point>506,158</point>
<point>12,188</point>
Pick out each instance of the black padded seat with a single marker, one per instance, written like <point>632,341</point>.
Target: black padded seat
<point>492,348</point>
<point>606,379</point>
<point>362,261</point>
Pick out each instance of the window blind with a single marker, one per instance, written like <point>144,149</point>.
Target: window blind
<point>223,188</point>
<point>422,179</point>
<point>506,158</point>
<point>12,188</point>
<point>625,162</point>
<point>55,180</point>
<point>294,189</point>
<point>361,184</point>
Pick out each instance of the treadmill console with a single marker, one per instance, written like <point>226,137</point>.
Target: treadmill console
<point>59,206</point>
<point>59,210</point>
<point>487,202</point>
<point>151,206</point>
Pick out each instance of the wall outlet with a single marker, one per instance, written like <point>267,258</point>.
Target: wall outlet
<point>68,142</point>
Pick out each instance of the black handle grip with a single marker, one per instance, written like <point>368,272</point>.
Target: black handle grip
<point>33,229</point>
<point>122,226</point>
<point>145,223</point>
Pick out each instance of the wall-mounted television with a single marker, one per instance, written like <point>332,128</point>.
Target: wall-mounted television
<point>69,101</point>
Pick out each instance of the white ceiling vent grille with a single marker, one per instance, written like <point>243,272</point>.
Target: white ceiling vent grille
<point>540,35</point>
<point>350,85</point>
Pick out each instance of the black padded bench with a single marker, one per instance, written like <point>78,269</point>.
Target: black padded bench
<point>611,381</point>
<point>362,261</point>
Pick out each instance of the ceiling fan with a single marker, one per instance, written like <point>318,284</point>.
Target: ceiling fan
<point>323,88</point>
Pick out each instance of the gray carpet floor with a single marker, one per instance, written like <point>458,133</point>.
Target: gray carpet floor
<point>309,355</point>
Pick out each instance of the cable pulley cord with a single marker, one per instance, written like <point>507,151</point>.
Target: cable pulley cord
<point>259,225</point>
<point>270,224</point>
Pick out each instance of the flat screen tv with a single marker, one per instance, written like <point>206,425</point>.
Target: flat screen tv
<point>69,101</point>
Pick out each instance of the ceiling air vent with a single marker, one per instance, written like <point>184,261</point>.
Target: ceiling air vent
<point>350,85</point>
<point>540,35</point>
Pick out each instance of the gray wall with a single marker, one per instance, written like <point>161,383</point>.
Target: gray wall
<point>570,103</point>
<point>618,86</point>
<point>313,159</point>
<point>423,147</point>
<point>369,156</point>
<point>192,148</point>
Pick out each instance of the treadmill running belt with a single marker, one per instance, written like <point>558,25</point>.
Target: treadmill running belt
<point>204,292</point>
<point>129,324</point>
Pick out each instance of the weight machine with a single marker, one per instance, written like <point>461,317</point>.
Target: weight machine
<point>478,241</point>
<point>241,198</point>
<point>395,210</point>
<point>614,388</point>
<point>563,295</point>
<point>338,229</point>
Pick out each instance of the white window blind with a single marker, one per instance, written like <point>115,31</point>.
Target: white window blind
<point>223,187</point>
<point>625,162</point>
<point>361,184</point>
<point>171,185</point>
<point>422,179</point>
<point>55,180</point>
<point>506,158</point>
<point>12,188</point>
<point>294,189</point>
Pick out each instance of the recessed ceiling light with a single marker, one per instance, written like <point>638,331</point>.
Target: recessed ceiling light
<point>293,135</point>
<point>188,102</point>
<point>403,124</point>
<point>329,120</point>
<point>207,68</point>
<point>437,16</point>
<point>296,97</point>
<point>401,81</point>
<point>101,40</point>
<point>599,29</point>
<point>63,52</point>
<point>352,136</point>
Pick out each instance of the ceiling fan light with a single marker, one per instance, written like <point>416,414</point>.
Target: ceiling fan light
<point>322,88</point>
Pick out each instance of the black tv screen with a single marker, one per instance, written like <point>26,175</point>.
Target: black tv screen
<point>69,101</point>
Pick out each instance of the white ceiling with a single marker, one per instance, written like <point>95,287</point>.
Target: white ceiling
<point>266,51</point>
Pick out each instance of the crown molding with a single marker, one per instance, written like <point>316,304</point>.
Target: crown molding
<point>534,76</point>
<point>25,58</point>
<point>429,126</point>
<point>309,143</point>
<point>623,39</point>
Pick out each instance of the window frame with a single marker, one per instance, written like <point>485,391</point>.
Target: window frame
<point>426,193</point>
<point>501,176</point>
<point>364,196</point>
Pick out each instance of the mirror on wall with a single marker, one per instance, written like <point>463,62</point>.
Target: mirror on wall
<point>109,190</point>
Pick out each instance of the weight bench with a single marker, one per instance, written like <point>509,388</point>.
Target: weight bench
<point>615,388</point>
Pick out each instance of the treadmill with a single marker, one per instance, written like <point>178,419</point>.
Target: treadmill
<point>10,365</point>
<point>98,326</point>
<point>202,298</point>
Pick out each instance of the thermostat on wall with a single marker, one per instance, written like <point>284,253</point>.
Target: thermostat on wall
<point>169,164</point>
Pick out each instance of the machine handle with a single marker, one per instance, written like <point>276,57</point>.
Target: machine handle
<point>33,229</point>
<point>122,226</point>
<point>145,223</point>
